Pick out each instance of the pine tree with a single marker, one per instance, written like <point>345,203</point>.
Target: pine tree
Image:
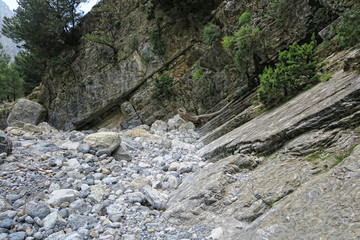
<point>43,27</point>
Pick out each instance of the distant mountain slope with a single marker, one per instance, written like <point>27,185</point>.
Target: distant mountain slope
<point>9,45</point>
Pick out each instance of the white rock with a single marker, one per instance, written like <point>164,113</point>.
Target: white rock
<point>103,140</point>
<point>174,166</point>
<point>217,233</point>
<point>63,195</point>
<point>73,163</point>
<point>97,192</point>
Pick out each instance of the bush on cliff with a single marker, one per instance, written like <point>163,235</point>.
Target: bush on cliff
<point>296,71</point>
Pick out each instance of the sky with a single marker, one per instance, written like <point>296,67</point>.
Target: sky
<point>85,7</point>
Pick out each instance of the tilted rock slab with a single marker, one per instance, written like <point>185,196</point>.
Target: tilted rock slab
<point>103,140</point>
<point>315,108</point>
<point>28,112</point>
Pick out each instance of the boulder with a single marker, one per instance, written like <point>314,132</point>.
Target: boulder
<point>5,143</point>
<point>28,112</point>
<point>103,140</point>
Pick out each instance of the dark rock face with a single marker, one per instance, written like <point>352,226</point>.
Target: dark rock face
<point>28,112</point>
<point>5,143</point>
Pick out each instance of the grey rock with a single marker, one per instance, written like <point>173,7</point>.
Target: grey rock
<point>4,205</point>
<point>73,236</point>
<point>82,221</point>
<point>101,152</point>
<point>41,211</point>
<point>83,148</point>
<point>121,154</point>
<point>78,205</point>
<point>5,143</point>
<point>44,147</point>
<point>135,197</point>
<point>64,213</point>
<point>38,222</point>
<point>28,112</point>
<point>29,220</point>
<point>17,236</point>
<point>155,198</point>
<point>50,220</point>
<point>38,235</point>
<point>175,122</point>
<point>3,236</point>
<point>6,223</point>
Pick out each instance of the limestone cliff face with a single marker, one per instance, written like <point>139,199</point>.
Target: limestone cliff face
<point>101,78</point>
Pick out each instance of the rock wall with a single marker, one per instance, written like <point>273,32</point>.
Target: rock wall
<point>95,78</point>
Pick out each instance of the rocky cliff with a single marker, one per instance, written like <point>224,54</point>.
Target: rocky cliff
<point>8,44</point>
<point>110,75</point>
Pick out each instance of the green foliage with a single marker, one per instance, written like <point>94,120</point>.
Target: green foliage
<point>296,69</point>
<point>210,33</point>
<point>164,88</point>
<point>156,39</point>
<point>321,19</point>
<point>243,43</point>
<point>11,84</point>
<point>133,44</point>
<point>325,77</point>
<point>44,28</point>
<point>30,68</point>
<point>197,74</point>
<point>246,40</point>
<point>203,85</point>
<point>245,18</point>
<point>347,34</point>
<point>228,43</point>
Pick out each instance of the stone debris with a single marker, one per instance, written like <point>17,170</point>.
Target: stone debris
<point>106,184</point>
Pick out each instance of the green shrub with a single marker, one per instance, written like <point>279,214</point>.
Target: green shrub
<point>246,40</point>
<point>164,88</point>
<point>244,18</point>
<point>228,43</point>
<point>210,33</point>
<point>296,70</point>
<point>347,34</point>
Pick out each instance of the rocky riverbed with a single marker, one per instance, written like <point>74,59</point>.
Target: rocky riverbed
<point>108,184</point>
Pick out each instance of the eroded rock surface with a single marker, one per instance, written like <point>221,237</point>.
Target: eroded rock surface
<point>320,106</point>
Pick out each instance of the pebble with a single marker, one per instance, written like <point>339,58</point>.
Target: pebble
<point>94,195</point>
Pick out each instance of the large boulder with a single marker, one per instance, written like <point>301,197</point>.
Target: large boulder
<point>103,140</point>
<point>27,111</point>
